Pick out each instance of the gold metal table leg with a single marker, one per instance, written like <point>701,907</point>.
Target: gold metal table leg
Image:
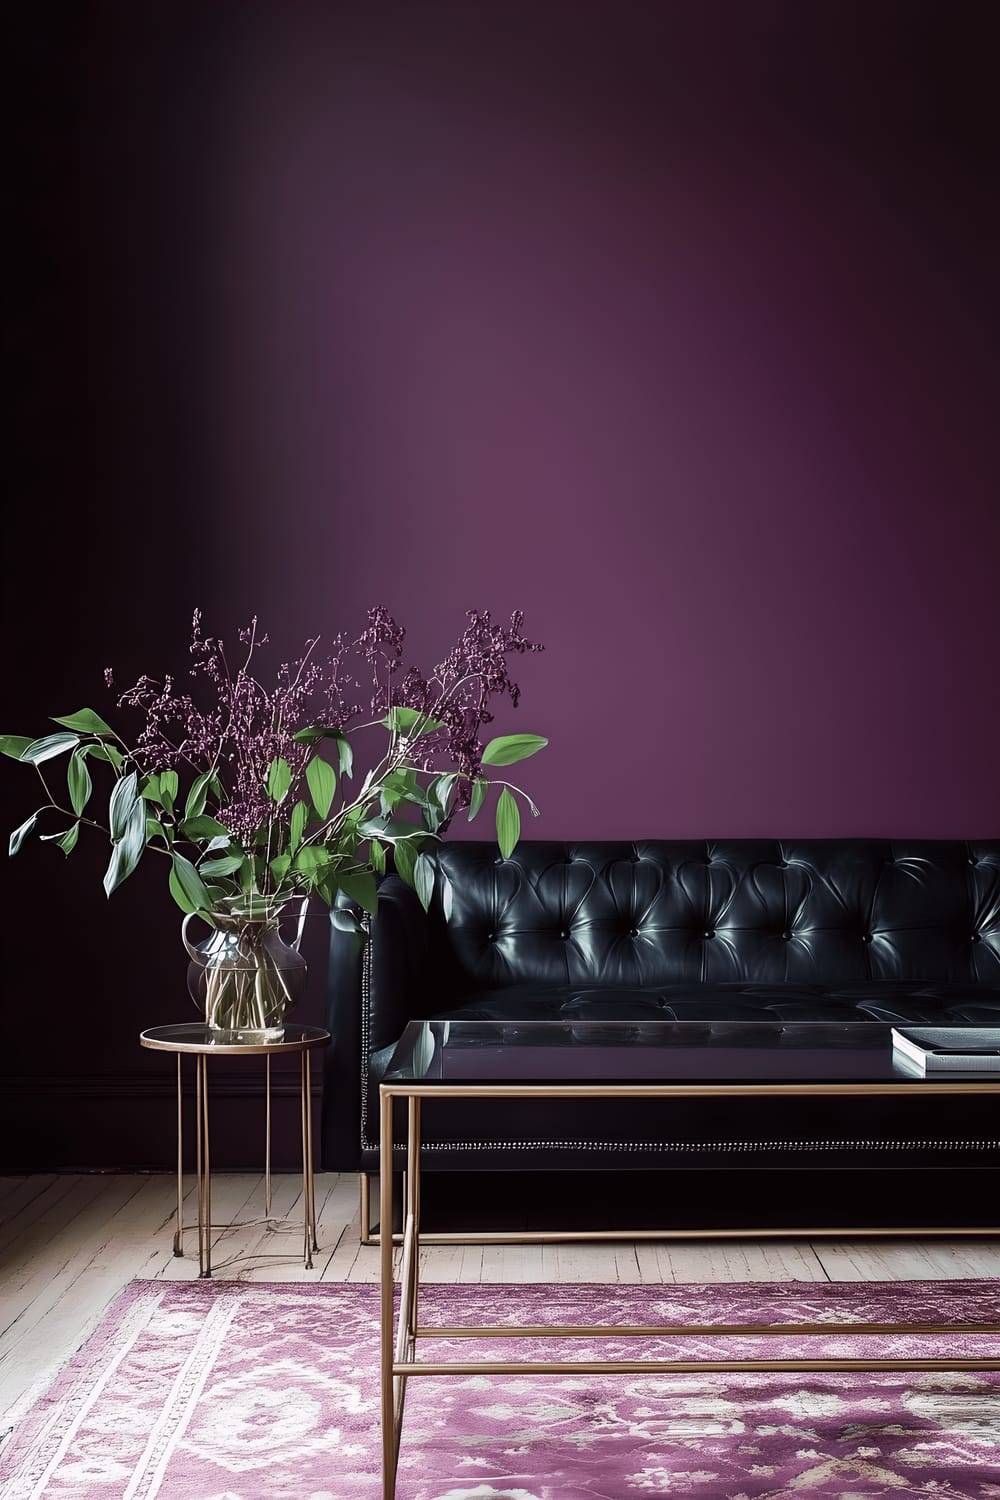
<point>306,1213</point>
<point>390,1434</point>
<point>179,1227</point>
<point>203,1168</point>
<point>267,1136</point>
<point>413,1209</point>
<point>307,1059</point>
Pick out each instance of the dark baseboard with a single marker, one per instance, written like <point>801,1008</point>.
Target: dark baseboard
<point>128,1121</point>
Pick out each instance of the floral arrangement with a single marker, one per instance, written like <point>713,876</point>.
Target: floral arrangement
<point>249,795</point>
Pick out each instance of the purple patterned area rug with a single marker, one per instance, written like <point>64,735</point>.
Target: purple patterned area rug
<point>229,1391</point>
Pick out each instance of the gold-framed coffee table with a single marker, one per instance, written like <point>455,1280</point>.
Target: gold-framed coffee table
<point>197,1039</point>
<point>485,1060</point>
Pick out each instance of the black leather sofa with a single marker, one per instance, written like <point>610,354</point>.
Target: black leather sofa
<point>785,931</point>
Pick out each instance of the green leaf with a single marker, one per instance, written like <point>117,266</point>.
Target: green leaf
<point>155,829</point>
<point>360,886</point>
<point>86,721</point>
<point>439,795</point>
<point>279,779</point>
<point>389,798</point>
<point>149,787</point>
<point>68,841</point>
<point>47,747</point>
<point>345,751</point>
<point>299,818</point>
<point>476,800</point>
<point>198,795</point>
<point>14,745</point>
<point>168,789</point>
<point>178,893</point>
<point>124,797</point>
<point>405,857</point>
<point>104,752</point>
<point>227,865</point>
<point>280,866</point>
<point>79,783</point>
<point>204,827</point>
<point>410,723</point>
<point>127,851</point>
<point>440,789</point>
<point>376,853</point>
<point>310,858</point>
<point>322,782</point>
<point>508,748</point>
<point>19,835</point>
<point>423,880</point>
<point>221,841</point>
<point>508,823</point>
<point>392,830</point>
<point>185,877</point>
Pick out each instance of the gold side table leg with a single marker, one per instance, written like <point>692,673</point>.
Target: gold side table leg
<point>307,1059</point>
<point>204,1172</point>
<point>267,1136</point>
<point>390,1439</point>
<point>179,1227</point>
<point>306,1216</point>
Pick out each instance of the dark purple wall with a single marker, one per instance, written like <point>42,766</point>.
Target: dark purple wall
<point>675,325</point>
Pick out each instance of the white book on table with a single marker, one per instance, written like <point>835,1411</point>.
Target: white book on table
<point>949,1049</point>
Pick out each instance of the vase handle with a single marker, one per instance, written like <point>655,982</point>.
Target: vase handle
<point>297,939</point>
<point>192,950</point>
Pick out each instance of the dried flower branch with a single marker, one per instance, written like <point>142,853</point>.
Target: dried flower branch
<point>264,813</point>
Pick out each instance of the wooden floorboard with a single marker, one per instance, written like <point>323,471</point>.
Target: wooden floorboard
<point>69,1244</point>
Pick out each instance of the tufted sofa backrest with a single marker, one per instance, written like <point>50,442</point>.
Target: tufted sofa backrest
<point>824,911</point>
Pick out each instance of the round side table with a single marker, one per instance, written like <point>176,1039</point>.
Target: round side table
<point>198,1039</point>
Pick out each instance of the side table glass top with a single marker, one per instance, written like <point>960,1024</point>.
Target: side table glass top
<point>196,1036</point>
<point>513,1052</point>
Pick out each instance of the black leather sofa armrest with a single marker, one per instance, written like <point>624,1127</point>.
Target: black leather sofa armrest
<point>340,1134</point>
<point>375,978</point>
<point>400,963</point>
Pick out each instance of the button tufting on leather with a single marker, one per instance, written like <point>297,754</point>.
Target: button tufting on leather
<point>866,937</point>
<point>634,932</point>
<point>708,932</point>
<point>974,938</point>
<point>786,936</point>
<point>563,933</point>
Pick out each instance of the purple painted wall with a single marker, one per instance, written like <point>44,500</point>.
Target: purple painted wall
<point>675,325</point>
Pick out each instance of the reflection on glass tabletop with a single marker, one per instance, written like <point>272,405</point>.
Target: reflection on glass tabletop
<point>446,1051</point>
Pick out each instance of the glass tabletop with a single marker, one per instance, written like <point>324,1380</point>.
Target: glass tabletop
<point>506,1052</point>
<point>197,1036</point>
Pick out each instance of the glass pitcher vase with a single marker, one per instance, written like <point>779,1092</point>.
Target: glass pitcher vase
<point>244,977</point>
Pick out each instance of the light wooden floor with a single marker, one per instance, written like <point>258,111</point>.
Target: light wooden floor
<point>68,1244</point>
